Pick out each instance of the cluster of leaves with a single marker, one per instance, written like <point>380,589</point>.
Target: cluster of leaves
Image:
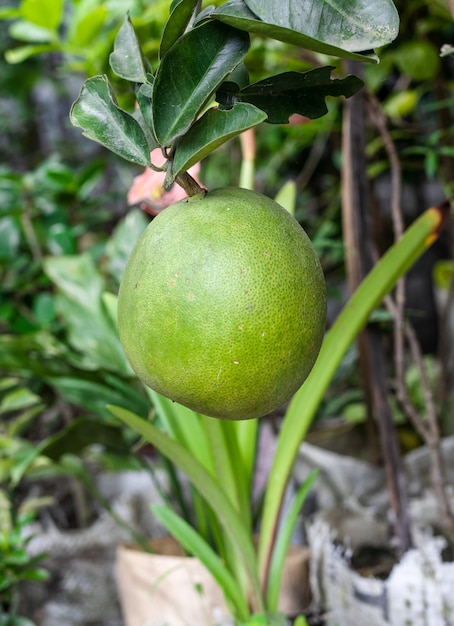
<point>202,63</point>
<point>59,376</point>
<point>81,32</point>
<point>16,565</point>
<point>76,353</point>
<point>40,214</point>
<point>404,81</point>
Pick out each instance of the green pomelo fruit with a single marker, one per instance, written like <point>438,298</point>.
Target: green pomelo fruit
<point>222,305</point>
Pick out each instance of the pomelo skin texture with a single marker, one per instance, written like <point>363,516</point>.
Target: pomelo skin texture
<point>222,305</point>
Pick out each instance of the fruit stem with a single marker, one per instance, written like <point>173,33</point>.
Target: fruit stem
<point>189,184</point>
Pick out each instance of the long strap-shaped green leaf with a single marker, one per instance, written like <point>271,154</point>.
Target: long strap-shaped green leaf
<point>283,542</point>
<point>191,540</point>
<point>206,484</point>
<point>379,282</point>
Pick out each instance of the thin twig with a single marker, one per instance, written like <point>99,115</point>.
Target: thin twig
<point>428,427</point>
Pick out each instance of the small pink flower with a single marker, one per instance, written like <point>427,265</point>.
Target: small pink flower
<point>147,189</point>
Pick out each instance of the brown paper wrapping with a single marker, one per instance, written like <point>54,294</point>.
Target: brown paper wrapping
<point>169,589</point>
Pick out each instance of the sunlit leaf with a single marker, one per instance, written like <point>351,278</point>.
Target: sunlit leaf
<point>21,53</point>
<point>47,13</point>
<point>144,98</point>
<point>32,33</point>
<point>83,29</point>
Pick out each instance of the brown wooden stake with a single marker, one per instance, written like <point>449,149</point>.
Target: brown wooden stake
<point>358,238</point>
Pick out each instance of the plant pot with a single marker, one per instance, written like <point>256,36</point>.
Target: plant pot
<point>169,589</point>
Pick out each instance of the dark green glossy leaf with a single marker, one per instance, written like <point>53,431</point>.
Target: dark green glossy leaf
<point>204,14</point>
<point>213,129</point>
<point>127,60</point>
<point>181,13</point>
<point>295,92</point>
<point>144,98</point>
<point>190,73</point>
<point>237,14</point>
<point>352,25</point>
<point>240,76</point>
<point>98,114</point>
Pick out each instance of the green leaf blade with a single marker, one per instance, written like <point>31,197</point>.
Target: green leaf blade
<point>195,545</point>
<point>283,541</point>
<point>102,120</point>
<point>298,92</point>
<point>237,14</point>
<point>208,487</point>
<point>81,302</point>
<point>185,426</point>
<point>86,26</point>
<point>32,33</point>
<point>189,75</point>
<point>352,25</point>
<point>46,13</point>
<point>213,129</point>
<point>377,284</point>
<point>127,60</point>
<point>181,13</point>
